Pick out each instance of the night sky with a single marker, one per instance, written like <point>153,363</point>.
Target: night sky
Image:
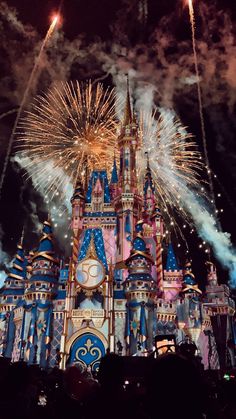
<point>104,40</point>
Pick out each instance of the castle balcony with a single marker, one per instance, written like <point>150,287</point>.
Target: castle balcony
<point>165,311</point>
<point>97,316</point>
<point>220,306</point>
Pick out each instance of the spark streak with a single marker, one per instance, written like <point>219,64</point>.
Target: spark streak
<point>22,104</point>
<point>193,26</point>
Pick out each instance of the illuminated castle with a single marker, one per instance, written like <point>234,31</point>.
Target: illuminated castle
<point>115,293</point>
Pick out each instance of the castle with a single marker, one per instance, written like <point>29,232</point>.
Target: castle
<point>115,293</point>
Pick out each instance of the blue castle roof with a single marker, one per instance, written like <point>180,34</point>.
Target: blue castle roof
<point>114,175</point>
<point>102,176</point>
<point>45,252</point>
<point>189,282</point>
<point>171,263</point>
<point>46,246</point>
<point>19,265</point>
<point>189,277</point>
<point>148,182</point>
<point>139,244</point>
<point>14,282</point>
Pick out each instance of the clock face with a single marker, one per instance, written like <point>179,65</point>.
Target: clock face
<point>90,273</point>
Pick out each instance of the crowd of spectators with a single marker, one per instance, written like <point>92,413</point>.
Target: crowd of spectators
<point>171,386</point>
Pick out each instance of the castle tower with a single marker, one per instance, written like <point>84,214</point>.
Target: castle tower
<point>88,307</point>
<point>140,290</point>
<point>11,297</point>
<point>77,203</point>
<point>149,193</point>
<point>114,180</point>
<point>41,288</point>
<point>220,308</point>
<point>189,312</point>
<point>88,320</point>
<point>172,283</point>
<point>128,203</point>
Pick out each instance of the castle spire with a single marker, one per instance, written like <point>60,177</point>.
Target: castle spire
<point>140,290</point>
<point>128,112</point>
<point>149,191</point>
<point>114,175</point>
<point>13,288</point>
<point>46,246</point>
<point>171,262</point>
<point>189,282</point>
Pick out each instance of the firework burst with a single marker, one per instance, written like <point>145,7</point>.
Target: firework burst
<point>73,127</point>
<point>174,159</point>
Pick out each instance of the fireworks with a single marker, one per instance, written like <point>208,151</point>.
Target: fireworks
<point>204,140</point>
<point>74,127</point>
<point>174,159</point>
<point>24,98</point>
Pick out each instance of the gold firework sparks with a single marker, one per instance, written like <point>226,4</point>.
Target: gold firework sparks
<point>74,127</point>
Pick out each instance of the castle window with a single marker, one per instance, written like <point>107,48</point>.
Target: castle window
<point>15,297</point>
<point>63,287</point>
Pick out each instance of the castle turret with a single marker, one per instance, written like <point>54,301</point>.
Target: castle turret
<point>220,308</point>
<point>114,180</point>
<point>77,202</point>
<point>11,296</point>
<point>140,291</point>
<point>149,193</point>
<point>128,203</point>
<point>189,312</point>
<point>172,283</point>
<point>41,289</point>
<point>128,142</point>
<point>189,282</point>
<point>13,288</point>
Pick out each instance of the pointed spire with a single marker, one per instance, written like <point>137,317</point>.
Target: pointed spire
<point>18,269</point>
<point>171,262</point>
<point>128,111</point>
<point>114,175</point>
<point>78,189</point>
<point>46,246</point>
<point>148,177</point>
<point>189,282</point>
<point>13,288</point>
<point>22,236</point>
<point>139,245</point>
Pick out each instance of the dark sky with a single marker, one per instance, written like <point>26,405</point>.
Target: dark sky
<point>106,23</point>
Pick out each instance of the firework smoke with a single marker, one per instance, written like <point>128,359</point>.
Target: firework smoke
<point>175,185</point>
<point>4,260</point>
<point>209,230</point>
